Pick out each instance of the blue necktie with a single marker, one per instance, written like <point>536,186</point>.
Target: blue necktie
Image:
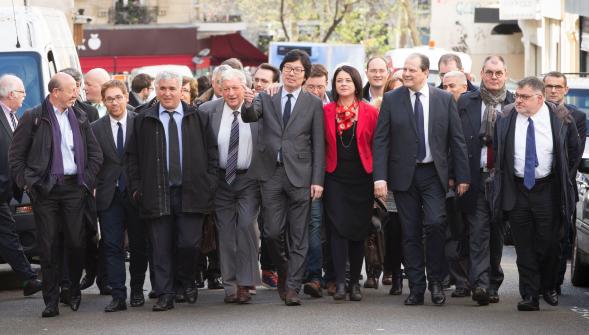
<point>418,110</point>
<point>531,157</point>
<point>121,153</point>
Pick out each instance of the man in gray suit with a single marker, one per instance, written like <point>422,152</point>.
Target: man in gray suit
<point>289,161</point>
<point>237,200</point>
<point>418,135</point>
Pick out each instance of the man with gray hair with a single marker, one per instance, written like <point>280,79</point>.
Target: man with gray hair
<point>533,145</point>
<point>215,92</point>
<point>237,200</point>
<point>455,82</point>
<point>12,95</point>
<point>172,170</point>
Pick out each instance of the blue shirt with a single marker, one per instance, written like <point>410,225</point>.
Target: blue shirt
<point>165,119</point>
<point>67,143</point>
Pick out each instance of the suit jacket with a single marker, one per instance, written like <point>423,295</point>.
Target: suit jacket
<point>7,188</point>
<point>365,127</point>
<point>133,101</point>
<point>301,139</point>
<point>469,109</point>
<point>214,111</point>
<point>566,144</point>
<point>395,140</point>
<point>113,165</point>
<point>86,107</point>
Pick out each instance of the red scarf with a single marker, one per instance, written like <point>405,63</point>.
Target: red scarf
<point>344,116</point>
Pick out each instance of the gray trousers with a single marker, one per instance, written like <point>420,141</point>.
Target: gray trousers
<point>236,210</point>
<point>286,216</point>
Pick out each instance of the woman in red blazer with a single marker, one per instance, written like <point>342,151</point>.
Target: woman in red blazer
<point>348,188</point>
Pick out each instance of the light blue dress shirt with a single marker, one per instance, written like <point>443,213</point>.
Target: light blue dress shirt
<point>165,119</point>
<point>67,143</point>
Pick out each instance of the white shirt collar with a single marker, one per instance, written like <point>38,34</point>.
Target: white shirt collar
<point>228,109</point>
<point>424,90</point>
<point>123,120</point>
<point>294,93</point>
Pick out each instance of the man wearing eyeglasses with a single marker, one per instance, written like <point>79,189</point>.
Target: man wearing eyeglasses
<point>377,73</point>
<point>290,163</point>
<point>556,89</point>
<point>478,112</point>
<point>533,143</point>
<point>54,157</point>
<point>12,95</point>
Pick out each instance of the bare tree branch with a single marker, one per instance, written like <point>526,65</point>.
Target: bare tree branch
<point>282,20</point>
<point>337,17</point>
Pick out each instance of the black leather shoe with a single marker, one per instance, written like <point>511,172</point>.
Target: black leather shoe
<point>437,292</point>
<point>105,290</point>
<point>551,297</point>
<point>493,296</point>
<point>414,300</point>
<point>214,284</point>
<point>340,292</point>
<point>558,290</point>
<point>355,294</point>
<point>164,303</point>
<point>461,292</point>
<point>87,281</point>
<point>292,298</point>
<point>528,304</point>
<point>137,299</point>
<point>180,297</point>
<point>116,305</point>
<point>32,286</point>
<point>50,311</point>
<point>75,302</point>
<point>481,296</point>
<point>371,282</point>
<point>191,294</point>
<point>152,294</point>
<point>397,286</point>
<point>65,296</point>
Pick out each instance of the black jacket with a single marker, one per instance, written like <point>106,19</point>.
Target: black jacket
<point>31,151</point>
<point>7,187</point>
<point>91,111</point>
<point>566,146</point>
<point>113,166</point>
<point>469,109</point>
<point>147,167</point>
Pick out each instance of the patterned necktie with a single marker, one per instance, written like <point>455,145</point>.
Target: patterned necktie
<point>419,120</point>
<point>174,170</point>
<point>231,166</point>
<point>121,153</point>
<point>531,161</point>
<point>13,120</point>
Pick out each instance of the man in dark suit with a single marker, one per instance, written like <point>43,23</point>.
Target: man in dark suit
<point>290,164</point>
<point>478,111</point>
<point>556,89</point>
<point>536,153</point>
<point>172,170</point>
<point>377,73</point>
<point>418,134</point>
<point>12,95</point>
<point>55,158</point>
<point>237,201</point>
<point>115,207</point>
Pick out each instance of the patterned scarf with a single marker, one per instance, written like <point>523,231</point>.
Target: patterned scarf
<point>491,101</point>
<point>344,116</point>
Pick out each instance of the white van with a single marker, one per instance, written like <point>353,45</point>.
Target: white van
<point>35,43</point>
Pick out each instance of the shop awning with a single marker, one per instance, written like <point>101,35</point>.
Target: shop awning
<point>234,45</point>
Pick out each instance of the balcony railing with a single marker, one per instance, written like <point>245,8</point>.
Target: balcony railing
<point>132,14</point>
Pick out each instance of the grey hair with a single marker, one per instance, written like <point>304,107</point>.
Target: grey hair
<point>166,75</point>
<point>8,84</point>
<point>219,71</point>
<point>233,74</point>
<point>77,75</point>
<point>457,74</point>
<point>533,83</point>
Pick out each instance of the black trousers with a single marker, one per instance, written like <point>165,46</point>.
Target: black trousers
<point>265,260</point>
<point>344,251</point>
<point>393,245</point>
<point>60,211</point>
<point>422,210</point>
<point>535,228</point>
<point>10,247</point>
<point>175,240</point>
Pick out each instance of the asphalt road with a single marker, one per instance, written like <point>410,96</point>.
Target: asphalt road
<point>378,313</point>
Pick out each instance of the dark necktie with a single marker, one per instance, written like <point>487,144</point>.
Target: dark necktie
<point>121,153</point>
<point>174,170</point>
<point>418,109</point>
<point>531,157</point>
<point>287,108</point>
<point>13,120</point>
<point>231,167</point>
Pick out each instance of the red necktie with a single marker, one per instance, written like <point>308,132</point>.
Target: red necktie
<point>489,156</point>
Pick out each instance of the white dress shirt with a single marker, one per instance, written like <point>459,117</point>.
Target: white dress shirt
<point>115,127</point>
<point>544,144</point>
<point>484,148</point>
<point>67,143</point>
<point>101,108</point>
<point>424,99</point>
<point>244,152</point>
<point>7,112</point>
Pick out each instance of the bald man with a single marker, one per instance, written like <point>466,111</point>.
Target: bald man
<point>56,162</point>
<point>93,81</point>
<point>12,95</point>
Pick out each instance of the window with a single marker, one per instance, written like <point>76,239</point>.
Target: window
<point>26,66</point>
